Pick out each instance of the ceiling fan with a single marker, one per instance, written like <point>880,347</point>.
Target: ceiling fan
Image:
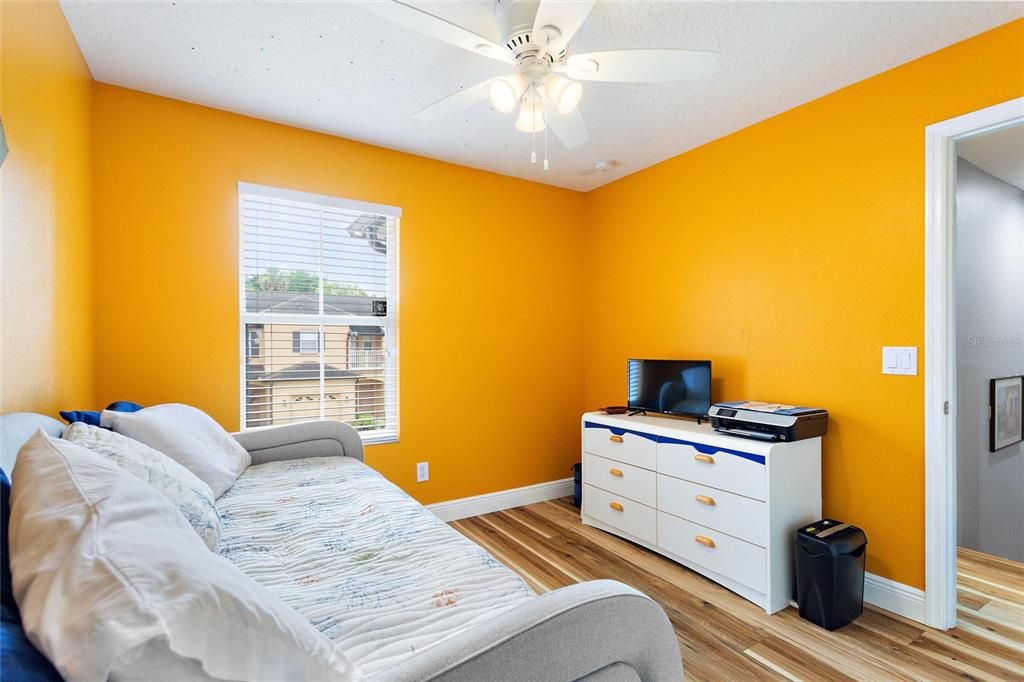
<point>544,82</point>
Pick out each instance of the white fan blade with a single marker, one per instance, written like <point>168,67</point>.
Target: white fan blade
<point>570,128</point>
<point>641,66</point>
<point>566,16</point>
<point>451,104</point>
<point>436,27</point>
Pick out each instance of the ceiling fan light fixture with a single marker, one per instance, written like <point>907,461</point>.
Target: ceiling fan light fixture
<point>504,93</point>
<point>570,98</point>
<point>534,39</point>
<point>564,94</point>
<point>531,117</point>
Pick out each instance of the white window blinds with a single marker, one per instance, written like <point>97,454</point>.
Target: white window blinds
<point>319,310</point>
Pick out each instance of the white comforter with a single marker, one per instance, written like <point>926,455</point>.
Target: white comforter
<point>363,561</point>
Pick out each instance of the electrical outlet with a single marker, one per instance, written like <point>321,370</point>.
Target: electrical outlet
<point>422,472</point>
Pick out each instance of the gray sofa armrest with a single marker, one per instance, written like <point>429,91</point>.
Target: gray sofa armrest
<point>298,441</point>
<point>597,631</point>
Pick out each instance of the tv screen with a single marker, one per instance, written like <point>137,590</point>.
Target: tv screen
<point>680,387</point>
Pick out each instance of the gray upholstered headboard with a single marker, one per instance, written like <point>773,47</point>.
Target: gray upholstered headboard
<point>18,427</point>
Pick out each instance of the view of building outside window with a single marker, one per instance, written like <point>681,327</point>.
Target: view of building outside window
<point>316,323</point>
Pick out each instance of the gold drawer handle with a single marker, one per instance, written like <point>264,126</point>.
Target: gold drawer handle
<point>705,540</point>
<point>616,439</point>
<point>707,459</point>
<point>704,499</point>
<point>615,472</point>
<point>616,506</point>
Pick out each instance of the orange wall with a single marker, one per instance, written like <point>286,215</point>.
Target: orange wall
<point>45,260</point>
<point>789,253</point>
<point>490,370</point>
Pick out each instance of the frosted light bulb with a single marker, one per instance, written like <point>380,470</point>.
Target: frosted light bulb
<point>531,117</point>
<point>564,94</point>
<point>502,96</point>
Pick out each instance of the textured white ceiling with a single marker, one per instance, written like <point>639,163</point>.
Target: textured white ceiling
<point>336,68</point>
<point>1000,153</point>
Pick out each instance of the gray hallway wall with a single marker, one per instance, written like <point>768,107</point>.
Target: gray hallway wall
<point>990,343</point>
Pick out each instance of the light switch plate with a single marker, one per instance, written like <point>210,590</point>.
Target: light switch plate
<point>899,360</point>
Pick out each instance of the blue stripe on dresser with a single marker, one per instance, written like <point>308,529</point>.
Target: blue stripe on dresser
<point>618,431</point>
<point>712,449</point>
<point>699,447</point>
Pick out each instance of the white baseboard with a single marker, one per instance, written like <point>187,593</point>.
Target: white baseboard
<point>896,597</point>
<point>453,510</point>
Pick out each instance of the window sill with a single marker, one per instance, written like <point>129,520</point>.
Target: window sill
<point>379,438</point>
<point>375,438</point>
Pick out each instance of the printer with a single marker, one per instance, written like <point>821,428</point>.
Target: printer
<point>768,421</point>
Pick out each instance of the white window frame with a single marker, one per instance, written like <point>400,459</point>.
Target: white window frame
<point>390,322</point>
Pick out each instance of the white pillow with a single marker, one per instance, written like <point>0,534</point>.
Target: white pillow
<point>187,435</point>
<point>192,497</point>
<point>105,570</point>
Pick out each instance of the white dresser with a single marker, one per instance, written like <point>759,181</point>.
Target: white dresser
<point>723,506</point>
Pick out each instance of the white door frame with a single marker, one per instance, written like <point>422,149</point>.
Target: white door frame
<point>940,350</point>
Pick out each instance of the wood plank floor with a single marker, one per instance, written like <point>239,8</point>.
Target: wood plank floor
<point>990,598</point>
<point>724,637</point>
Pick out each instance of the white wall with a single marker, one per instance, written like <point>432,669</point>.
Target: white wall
<point>990,343</point>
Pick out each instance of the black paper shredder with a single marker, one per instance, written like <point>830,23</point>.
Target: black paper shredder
<point>830,572</point>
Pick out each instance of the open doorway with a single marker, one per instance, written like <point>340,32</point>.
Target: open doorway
<point>989,321</point>
<point>974,324</point>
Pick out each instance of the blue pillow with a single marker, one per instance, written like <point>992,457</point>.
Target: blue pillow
<point>6,593</point>
<point>93,418</point>
<point>20,661</point>
<point>124,406</point>
<point>9,615</point>
<point>72,416</point>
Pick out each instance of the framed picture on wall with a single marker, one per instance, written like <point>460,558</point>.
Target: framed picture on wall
<point>1006,412</point>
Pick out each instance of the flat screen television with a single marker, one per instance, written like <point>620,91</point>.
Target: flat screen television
<point>676,387</point>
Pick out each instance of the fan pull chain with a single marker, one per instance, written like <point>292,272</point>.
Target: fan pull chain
<point>533,131</point>
<point>547,167</point>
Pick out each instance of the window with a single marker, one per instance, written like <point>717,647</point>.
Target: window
<point>253,336</point>
<point>319,290</point>
<point>306,342</point>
